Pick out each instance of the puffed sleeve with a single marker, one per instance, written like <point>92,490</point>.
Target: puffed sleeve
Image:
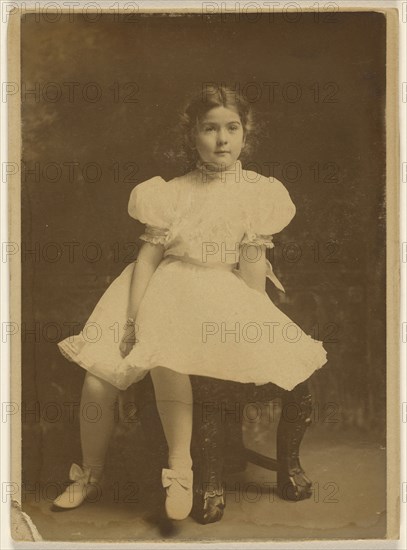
<point>151,203</point>
<point>269,210</point>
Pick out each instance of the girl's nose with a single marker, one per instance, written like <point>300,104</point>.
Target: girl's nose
<point>222,137</point>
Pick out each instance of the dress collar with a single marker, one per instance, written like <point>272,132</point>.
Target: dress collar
<point>233,174</point>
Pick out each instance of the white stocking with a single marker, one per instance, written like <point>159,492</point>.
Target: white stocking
<point>173,395</point>
<point>96,422</point>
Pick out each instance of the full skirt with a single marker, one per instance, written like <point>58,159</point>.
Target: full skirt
<point>196,320</point>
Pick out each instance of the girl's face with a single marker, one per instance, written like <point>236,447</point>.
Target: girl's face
<point>219,138</point>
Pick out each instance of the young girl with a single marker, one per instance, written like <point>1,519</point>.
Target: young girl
<point>194,302</point>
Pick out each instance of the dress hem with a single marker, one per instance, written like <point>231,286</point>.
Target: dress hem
<point>72,356</point>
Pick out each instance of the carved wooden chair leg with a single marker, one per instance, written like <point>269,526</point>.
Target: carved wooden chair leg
<point>235,451</point>
<point>292,483</point>
<point>262,394</point>
<point>208,449</point>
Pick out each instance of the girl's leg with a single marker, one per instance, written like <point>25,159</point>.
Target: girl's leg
<point>173,395</point>
<point>96,427</point>
<point>96,422</point>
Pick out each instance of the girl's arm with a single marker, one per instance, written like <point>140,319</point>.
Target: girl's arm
<point>148,259</point>
<point>252,266</point>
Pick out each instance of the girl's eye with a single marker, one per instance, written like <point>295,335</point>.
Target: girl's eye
<point>209,128</point>
<point>234,128</point>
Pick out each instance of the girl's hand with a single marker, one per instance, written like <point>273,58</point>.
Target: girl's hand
<point>128,340</point>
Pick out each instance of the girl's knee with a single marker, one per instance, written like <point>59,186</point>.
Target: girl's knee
<point>98,388</point>
<point>163,375</point>
<point>172,385</point>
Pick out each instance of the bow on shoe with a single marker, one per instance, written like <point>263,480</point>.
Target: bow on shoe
<point>178,502</point>
<point>77,474</point>
<point>77,492</point>
<point>168,476</point>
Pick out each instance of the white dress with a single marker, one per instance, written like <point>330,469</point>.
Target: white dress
<point>198,316</point>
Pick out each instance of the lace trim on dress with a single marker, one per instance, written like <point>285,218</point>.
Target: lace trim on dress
<point>155,235</point>
<point>258,239</point>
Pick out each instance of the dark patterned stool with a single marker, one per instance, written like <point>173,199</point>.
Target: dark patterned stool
<point>217,442</point>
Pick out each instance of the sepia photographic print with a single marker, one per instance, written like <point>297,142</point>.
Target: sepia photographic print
<point>204,273</point>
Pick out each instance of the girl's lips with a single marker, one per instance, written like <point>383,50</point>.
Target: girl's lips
<point>221,152</point>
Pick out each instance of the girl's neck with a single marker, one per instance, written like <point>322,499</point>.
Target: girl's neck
<point>206,172</point>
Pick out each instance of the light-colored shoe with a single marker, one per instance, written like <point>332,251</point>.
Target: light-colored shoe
<point>178,485</point>
<point>81,489</point>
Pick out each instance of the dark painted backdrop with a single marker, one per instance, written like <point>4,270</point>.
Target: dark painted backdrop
<point>318,84</point>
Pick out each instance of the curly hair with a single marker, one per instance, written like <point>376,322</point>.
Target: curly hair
<point>197,105</point>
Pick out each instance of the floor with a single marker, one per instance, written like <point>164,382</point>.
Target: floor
<point>349,501</point>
